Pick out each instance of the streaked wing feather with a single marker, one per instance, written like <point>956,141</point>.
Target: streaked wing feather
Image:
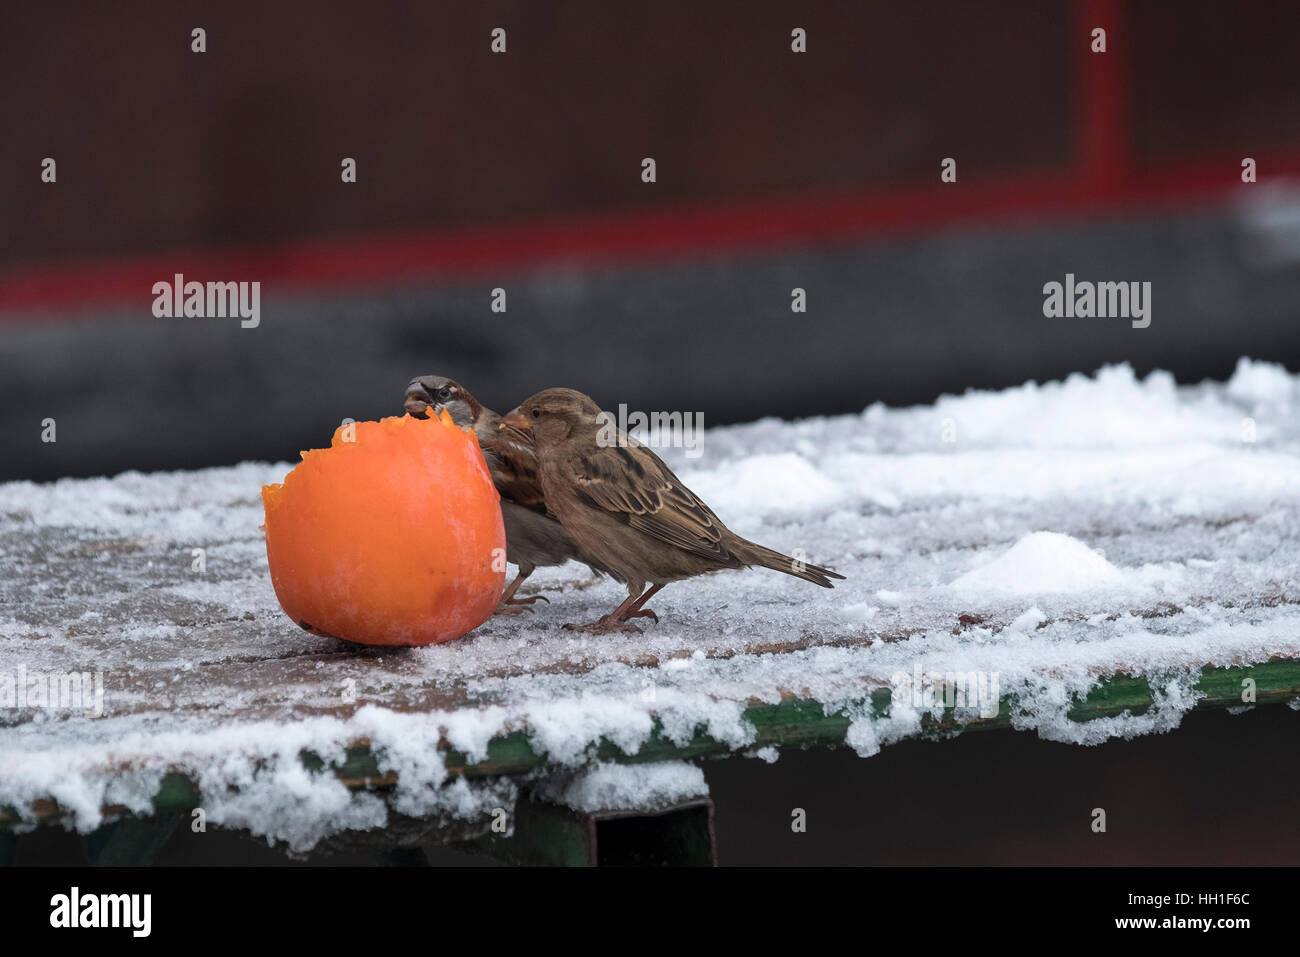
<point>635,485</point>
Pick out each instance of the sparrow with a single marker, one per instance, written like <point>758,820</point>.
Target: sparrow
<point>623,506</point>
<point>534,537</point>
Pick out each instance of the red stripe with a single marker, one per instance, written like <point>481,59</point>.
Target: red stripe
<point>362,262</point>
<point>1104,107</point>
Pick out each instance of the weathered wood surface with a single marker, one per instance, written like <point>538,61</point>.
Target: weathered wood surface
<point>207,684</point>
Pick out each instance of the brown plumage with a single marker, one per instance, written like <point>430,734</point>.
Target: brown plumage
<point>624,506</point>
<point>534,537</point>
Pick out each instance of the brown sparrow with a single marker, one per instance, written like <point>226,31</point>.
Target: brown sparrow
<point>623,506</point>
<point>534,537</point>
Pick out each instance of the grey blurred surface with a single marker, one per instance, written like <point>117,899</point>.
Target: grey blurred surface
<point>899,323</point>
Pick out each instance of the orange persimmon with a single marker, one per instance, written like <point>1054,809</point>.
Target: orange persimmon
<point>392,536</point>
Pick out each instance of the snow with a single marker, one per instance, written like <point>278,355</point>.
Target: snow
<point>627,787</point>
<point>1046,535</point>
<point>1043,562</point>
<point>766,483</point>
<point>1262,384</point>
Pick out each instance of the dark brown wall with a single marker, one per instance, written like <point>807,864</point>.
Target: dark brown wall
<point>1210,76</point>
<point>159,146</point>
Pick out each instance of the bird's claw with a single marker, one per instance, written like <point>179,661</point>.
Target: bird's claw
<point>610,623</point>
<point>512,608</point>
<point>603,626</point>
<point>527,601</point>
<point>515,606</point>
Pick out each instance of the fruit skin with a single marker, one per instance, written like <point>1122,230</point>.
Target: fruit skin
<point>394,538</point>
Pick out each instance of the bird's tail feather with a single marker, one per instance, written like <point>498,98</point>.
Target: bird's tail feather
<point>791,566</point>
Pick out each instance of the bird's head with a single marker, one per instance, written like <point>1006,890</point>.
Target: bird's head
<point>430,394</point>
<point>553,414</point>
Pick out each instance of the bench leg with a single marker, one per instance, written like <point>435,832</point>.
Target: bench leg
<point>549,834</point>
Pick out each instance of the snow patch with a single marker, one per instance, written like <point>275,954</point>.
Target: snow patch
<point>782,482</point>
<point>1043,562</point>
<point>628,787</point>
<point>1261,384</point>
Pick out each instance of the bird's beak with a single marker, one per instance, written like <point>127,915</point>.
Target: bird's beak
<point>417,402</point>
<point>516,420</point>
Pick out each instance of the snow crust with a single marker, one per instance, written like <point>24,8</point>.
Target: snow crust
<point>1049,535</point>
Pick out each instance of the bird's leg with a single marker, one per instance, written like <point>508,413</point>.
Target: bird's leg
<point>636,611</point>
<point>509,604</point>
<point>616,620</point>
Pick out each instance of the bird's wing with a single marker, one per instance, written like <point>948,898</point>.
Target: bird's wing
<point>634,485</point>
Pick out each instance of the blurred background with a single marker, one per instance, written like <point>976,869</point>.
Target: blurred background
<point>523,171</point>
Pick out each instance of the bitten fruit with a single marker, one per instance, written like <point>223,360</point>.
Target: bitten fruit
<point>392,536</point>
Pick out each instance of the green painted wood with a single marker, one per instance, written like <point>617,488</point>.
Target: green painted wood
<point>545,834</point>
<point>129,841</point>
<point>794,723</point>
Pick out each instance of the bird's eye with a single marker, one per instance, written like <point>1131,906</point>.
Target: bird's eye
<point>444,393</point>
<point>537,413</point>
